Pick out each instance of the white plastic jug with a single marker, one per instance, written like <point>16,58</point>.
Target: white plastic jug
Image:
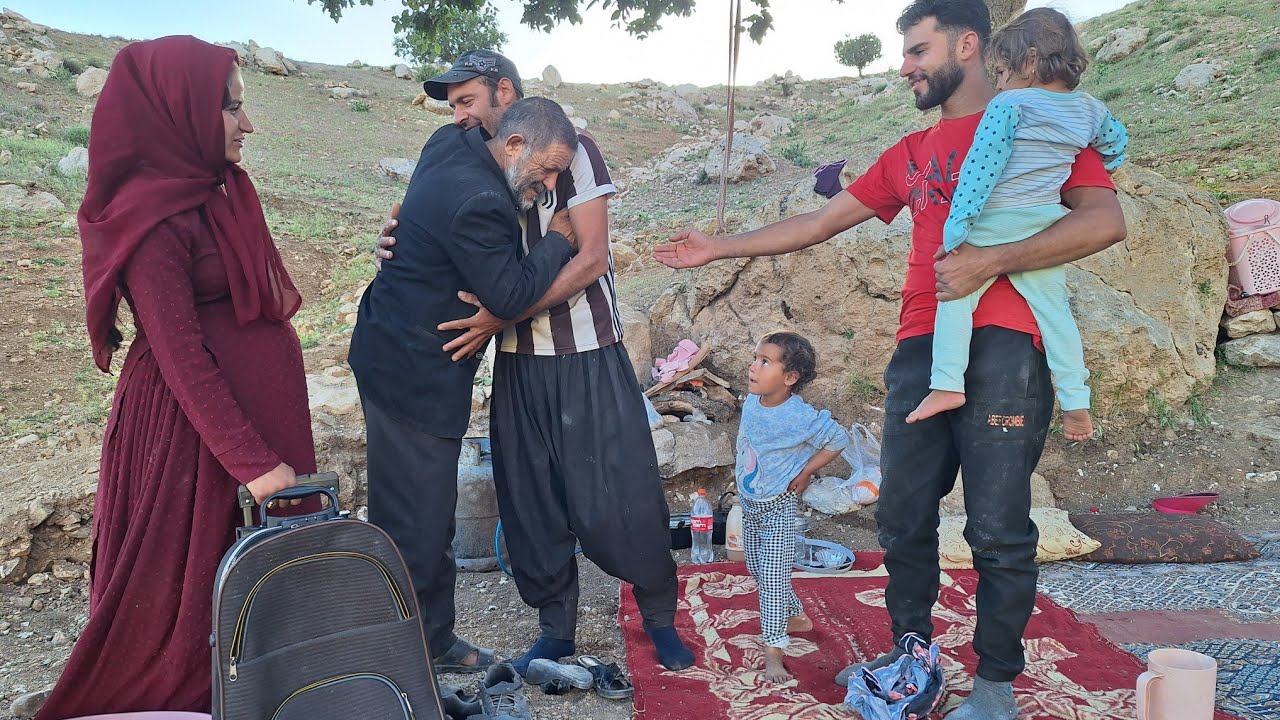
<point>733,533</point>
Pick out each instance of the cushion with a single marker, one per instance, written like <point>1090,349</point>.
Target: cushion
<point>1153,537</point>
<point>1059,540</point>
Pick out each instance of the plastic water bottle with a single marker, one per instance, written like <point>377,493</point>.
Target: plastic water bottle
<point>701,522</point>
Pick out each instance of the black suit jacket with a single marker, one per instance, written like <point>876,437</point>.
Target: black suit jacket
<point>459,230</point>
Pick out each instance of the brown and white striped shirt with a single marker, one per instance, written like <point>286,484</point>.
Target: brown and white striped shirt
<point>588,320</point>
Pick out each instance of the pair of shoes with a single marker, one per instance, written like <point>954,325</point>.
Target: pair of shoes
<point>557,679</point>
<point>502,695</point>
<point>609,681</point>
<point>454,660</point>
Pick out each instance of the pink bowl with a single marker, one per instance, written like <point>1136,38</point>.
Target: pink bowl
<point>161,715</point>
<point>1188,504</point>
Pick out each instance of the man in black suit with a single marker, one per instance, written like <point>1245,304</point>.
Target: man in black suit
<point>459,231</point>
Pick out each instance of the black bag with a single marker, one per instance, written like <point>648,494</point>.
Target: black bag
<point>315,618</point>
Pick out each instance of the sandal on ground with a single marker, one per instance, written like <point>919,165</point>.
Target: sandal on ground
<point>610,681</point>
<point>454,660</point>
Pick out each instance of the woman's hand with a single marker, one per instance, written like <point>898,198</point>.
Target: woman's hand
<point>278,478</point>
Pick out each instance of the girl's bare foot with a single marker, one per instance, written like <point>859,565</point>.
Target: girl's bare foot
<point>934,403</point>
<point>1077,425</point>
<point>799,624</point>
<point>774,670</point>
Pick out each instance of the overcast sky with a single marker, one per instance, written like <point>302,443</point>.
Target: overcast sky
<point>693,49</point>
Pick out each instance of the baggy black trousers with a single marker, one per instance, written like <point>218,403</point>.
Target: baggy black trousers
<point>413,493</point>
<point>997,437</point>
<point>574,462</point>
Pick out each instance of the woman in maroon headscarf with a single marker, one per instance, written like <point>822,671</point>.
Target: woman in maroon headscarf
<point>212,392</point>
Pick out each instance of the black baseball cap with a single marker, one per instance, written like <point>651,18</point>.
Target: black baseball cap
<point>473,64</point>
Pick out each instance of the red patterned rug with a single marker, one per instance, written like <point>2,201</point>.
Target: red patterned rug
<point>1072,672</point>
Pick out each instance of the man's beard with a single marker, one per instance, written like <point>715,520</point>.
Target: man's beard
<point>942,83</point>
<point>520,183</point>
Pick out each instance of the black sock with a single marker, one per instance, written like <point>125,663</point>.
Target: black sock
<point>672,652</point>
<point>546,648</point>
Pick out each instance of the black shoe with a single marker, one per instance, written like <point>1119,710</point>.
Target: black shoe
<point>502,695</point>
<point>459,705</point>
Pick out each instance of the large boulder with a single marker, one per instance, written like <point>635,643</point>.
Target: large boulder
<point>1121,43</point>
<point>551,76</point>
<point>270,61</point>
<point>678,109</point>
<point>691,446</point>
<point>748,159</point>
<point>769,126</point>
<point>403,72</point>
<point>47,514</point>
<point>89,83</point>
<point>1148,308</point>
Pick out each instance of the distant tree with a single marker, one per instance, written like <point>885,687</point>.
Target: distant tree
<point>858,52</point>
<point>454,32</point>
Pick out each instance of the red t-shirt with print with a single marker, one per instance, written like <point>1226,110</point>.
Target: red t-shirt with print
<point>921,172</point>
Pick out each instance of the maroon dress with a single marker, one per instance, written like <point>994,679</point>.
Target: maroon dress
<point>203,404</point>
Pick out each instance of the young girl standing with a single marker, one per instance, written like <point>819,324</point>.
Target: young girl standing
<point>782,442</point>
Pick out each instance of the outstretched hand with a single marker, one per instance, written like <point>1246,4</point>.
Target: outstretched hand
<point>686,249</point>
<point>382,246</point>
<point>477,329</point>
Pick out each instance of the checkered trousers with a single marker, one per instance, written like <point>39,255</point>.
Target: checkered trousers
<point>769,542</point>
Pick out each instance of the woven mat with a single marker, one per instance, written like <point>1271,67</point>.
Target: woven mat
<point>1072,672</point>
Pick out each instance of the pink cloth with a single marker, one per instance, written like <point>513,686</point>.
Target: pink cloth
<point>677,362</point>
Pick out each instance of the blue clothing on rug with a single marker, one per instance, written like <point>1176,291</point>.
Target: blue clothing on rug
<point>774,444</point>
<point>1010,189</point>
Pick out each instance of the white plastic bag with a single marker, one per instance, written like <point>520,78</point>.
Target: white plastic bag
<point>837,496</point>
<point>655,420</point>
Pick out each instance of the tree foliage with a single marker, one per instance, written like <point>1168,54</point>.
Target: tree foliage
<point>455,32</point>
<point>858,51</point>
<point>638,17</point>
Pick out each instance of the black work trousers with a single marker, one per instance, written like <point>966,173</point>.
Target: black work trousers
<point>574,462</point>
<point>997,437</point>
<point>413,492</point>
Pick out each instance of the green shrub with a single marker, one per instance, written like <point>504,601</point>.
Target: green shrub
<point>1111,93</point>
<point>1268,53</point>
<point>95,62</point>
<point>359,106</point>
<point>76,135</point>
<point>75,67</point>
<point>61,73</point>
<point>797,153</point>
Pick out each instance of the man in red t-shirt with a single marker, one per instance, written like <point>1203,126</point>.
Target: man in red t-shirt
<point>998,435</point>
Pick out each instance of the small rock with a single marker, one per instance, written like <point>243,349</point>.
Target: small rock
<point>75,163</point>
<point>67,571</point>
<point>579,123</point>
<point>38,579</point>
<point>551,76</point>
<point>345,93</point>
<point>1250,323</point>
<point>1121,43</point>
<point>24,603</point>
<point>37,605</point>
<point>89,83</point>
<point>59,639</point>
<point>28,87</point>
<point>397,168</point>
<point>615,115</point>
<point>1266,477</point>
<point>26,706</point>
<point>403,72</point>
<point>1253,351</point>
<point>26,440</point>
<point>1196,76</point>
<point>11,570</point>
